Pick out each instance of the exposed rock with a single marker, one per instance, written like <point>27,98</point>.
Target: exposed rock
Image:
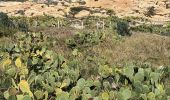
<point>61,8</point>
<point>82,13</point>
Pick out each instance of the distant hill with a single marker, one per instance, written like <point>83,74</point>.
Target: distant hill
<point>62,8</point>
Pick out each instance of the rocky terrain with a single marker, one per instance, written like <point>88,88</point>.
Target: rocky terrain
<point>61,8</point>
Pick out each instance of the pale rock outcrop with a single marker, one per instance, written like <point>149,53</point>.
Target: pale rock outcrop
<point>122,8</point>
<point>82,13</point>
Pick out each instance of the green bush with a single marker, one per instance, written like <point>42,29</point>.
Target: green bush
<point>123,28</point>
<point>153,29</point>
<point>7,27</point>
<point>143,28</point>
<point>23,25</point>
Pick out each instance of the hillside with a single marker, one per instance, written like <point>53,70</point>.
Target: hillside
<point>85,50</point>
<point>122,8</point>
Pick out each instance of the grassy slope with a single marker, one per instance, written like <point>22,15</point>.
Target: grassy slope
<point>140,47</point>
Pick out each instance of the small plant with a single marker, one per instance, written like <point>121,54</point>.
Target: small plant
<point>110,12</point>
<point>150,11</point>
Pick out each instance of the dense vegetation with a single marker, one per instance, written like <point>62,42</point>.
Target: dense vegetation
<point>31,69</point>
<point>153,29</point>
<point>6,26</point>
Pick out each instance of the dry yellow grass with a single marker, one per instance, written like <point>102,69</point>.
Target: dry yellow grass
<point>4,41</point>
<point>140,47</point>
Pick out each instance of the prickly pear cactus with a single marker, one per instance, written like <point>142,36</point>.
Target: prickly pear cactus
<point>31,71</point>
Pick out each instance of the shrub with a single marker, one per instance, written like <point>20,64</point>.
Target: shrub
<point>110,12</point>
<point>75,10</point>
<point>5,20</point>
<point>150,11</point>
<point>6,25</point>
<point>143,28</point>
<point>153,29</point>
<point>123,28</point>
<point>23,25</point>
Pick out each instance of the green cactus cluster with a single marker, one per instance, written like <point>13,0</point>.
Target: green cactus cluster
<point>29,70</point>
<point>85,39</point>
